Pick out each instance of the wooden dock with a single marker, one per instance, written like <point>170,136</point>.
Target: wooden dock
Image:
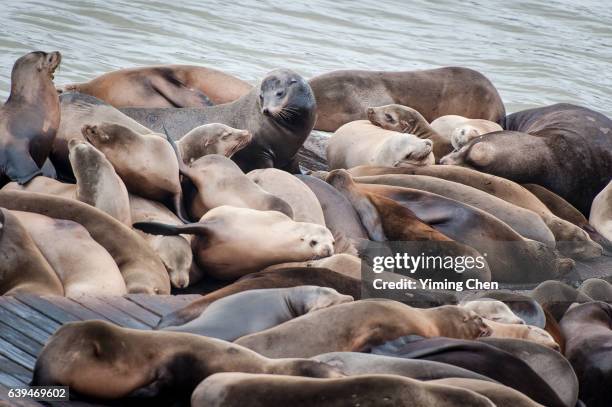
<point>26,322</point>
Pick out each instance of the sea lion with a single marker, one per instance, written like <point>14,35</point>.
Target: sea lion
<point>492,310</point>
<point>174,251</point>
<point>459,130</point>
<point>83,266</point>
<point>141,269</point>
<point>601,212</point>
<point>29,118</point>
<point>279,112</point>
<point>500,395</point>
<point>479,357</point>
<point>361,142</point>
<point>303,202</point>
<point>163,86</point>
<point>99,359</point>
<point>250,390</point>
<point>527,223</point>
<point>24,269</point>
<point>571,239</point>
<point>524,332</point>
<point>230,242</point>
<point>472,227</point>
<point>368,322</point>
<point>256,310</point>
<point>557,205</point>
<point>215,180</point>
<point>147,164</point>
<point>343,263</point>
<point>597,289</point>
<point>587,330</point>
<point>525,307</point>
<point>405,119</point>
<point>213,138</point>
<point>556,297</point>
<point>343,96</point>
<point>563,147</point>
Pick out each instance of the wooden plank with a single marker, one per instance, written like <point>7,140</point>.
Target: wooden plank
<point>25,327</point>
<point>76,309</point>
<point>16,371</point>
<point>17,355</point>
<point>47,307</point>
<point>159,306</point>
<point>134,310</point>
<point>111,313</point>
<point>27,313</point>
<point>17,338</point>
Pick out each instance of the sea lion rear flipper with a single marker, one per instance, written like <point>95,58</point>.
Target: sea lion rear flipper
<point>179,95</point>
<point>22,169</point>
<point>179,203</point>
<point>164,229</point>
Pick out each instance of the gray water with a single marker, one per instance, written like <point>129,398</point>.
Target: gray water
<point>536,52</point>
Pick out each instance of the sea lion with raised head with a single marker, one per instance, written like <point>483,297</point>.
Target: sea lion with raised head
<point>256,310</point>
<point>29,118</point>
<point>24,269</point>
<point>83,266</point>
<point>344,96</point>
<point>99,359</point>
<point>368,323</point>
<point>163,86</point>
<point>213,138</point>
<point>279,112</point>
<point>363,143</point>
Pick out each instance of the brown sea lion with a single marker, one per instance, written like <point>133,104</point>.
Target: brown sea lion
<point>343,96</point>
<point>597,289</point>
<point>500,395</point>
<point>556,297</point>
<point>213,138</point>
<point>29,118</point>
<point>99,359</point>
<point>24,269</point>
<point>251,390</point>
<point>256,310</point>
<point>230,242</point>
<point>163,86</point>
<point>563,147</point>
<point>141,269</point>
<point>557,205</point>
<point>83,266</point>
<point>368,322</point>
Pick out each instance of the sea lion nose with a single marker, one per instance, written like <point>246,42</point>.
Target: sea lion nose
<point>265,111</point>
<point>428,142</point>
<point>370,111</point>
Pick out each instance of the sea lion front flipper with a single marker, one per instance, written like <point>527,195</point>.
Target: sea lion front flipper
<point>21,168</point>
<point>176,93</point>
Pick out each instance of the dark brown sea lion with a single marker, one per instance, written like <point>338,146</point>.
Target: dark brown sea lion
<point>30,117</point>
<point>344,96</point>
<point>24,269</point>
<point>141,268</point>
<point>256,390</point>
<point>99,359</point>
<point>359,325</point>
<point>280,113</point>
<point>589,339</point>
<point>597,289</point>
<point>564,148</point>
<point>163,86</point>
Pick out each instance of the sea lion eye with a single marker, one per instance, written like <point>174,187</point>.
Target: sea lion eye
<point>313,243</point>
<point>388,117</point>
<point>292,81</point>
<point>280,93</point>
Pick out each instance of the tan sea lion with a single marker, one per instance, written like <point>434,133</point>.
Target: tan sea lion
<point>213,138</point>
<point>251,390</point>
<point>29,118</point>
<point>230,242</point>
<point>601,212</point>
<point>368,323</point>
<point>363,143</point>
<point>141,269</point>
<point>343,263</point>
<point>303,202</point>
<point>163,86</point>
<point>343,96</point>
<point>519,331</point>
<point>459,130</point>
<point>24,269</point>
<point>83,266</point>
<point>99,359</point>
<point>174,251</point>
<point>492,310</point>
<point>500,395</point>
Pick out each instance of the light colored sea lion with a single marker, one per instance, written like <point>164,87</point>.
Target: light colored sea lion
<point>213,138</point>
<point>230,242</point>
<point>343,96</point>
<point>99,359</point>
<point>174,251</point>
<point>368,322</point>
<point>525,222</point>
<point>83,266</point>
<point>597,289</point>
<point>305,205</point>
<point>601,212</point>
<point>361,142</point>
<point>163,86</point>
<point>459,130</point>
<point>405,119</point>
<point>342,263</point>
<point>493,310</point>
<point>24,269</point>
<point>256,310</point>
<point>251,390</point>
<point>525,332</point>
<point>522,305</point>
<point>141,269</point>
<point>147,164</point>
<point>215,180</point>
<point>30,117</point>
<point>500,395</point>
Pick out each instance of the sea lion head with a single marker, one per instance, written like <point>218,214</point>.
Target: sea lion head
<point>175,252</point>
<point>462,135</point>
<point>105,134</point>
<point>287,98</point>
<point>405,150</point>
<point>538,335</point>
<point>494,310</point>
<point>215,138</point>
<point>34,63</point>
<point>316,240</point>
<point>458,322</point>
<point>395,117</point>
<point>323,297</point>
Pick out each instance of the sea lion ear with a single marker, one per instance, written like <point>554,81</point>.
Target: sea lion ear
<point>89,130</point>
<point>97,349</point>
